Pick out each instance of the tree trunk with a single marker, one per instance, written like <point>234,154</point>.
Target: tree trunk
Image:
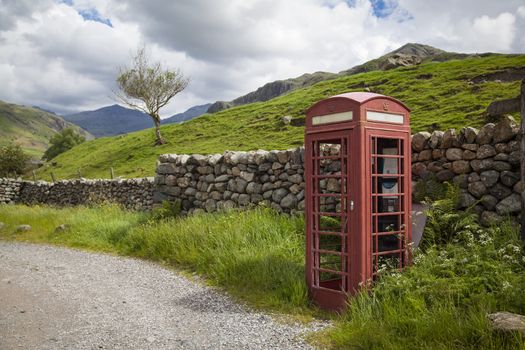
<point>158,136</point>
<point>522,167</point>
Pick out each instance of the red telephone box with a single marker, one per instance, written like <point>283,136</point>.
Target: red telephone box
<point>358,193</point>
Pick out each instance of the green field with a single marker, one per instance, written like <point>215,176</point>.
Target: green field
<point>439,94</point>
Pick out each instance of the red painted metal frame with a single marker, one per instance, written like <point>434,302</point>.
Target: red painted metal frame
<point>358,247</point>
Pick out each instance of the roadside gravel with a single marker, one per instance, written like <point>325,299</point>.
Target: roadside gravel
<point>57,298</point>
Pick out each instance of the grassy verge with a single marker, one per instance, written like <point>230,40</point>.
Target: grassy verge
<point>439,303</point>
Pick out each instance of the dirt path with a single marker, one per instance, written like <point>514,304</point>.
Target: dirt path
<point>56,298</point>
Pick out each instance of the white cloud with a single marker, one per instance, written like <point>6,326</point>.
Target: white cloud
<point>51,56</point>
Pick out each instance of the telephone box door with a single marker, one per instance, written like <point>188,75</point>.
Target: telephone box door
<point>328,214</point>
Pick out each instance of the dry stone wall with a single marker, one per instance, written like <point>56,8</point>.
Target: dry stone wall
<point>131,193</point>
<point>484,163</point>
<point>233,179</point>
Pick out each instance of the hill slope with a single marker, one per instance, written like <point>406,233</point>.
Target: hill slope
<point>31,127</point>
<point>407,55</point>
<point>441,95</point>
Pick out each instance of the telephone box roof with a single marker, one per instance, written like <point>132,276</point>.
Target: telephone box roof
<point>362,97</point>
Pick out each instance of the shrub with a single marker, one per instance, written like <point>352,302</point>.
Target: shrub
<point>12,160</point>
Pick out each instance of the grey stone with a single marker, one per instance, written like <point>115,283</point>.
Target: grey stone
<point>477,189</point>
<point>466,200</point>
<point>501,166</point>
<point>500,191</point>
<point>473,147</point>
<point>256,198</point>
<point>435,139</point>
<point>166,168</point>
<point>289,201</point>
<point>454,154</point>
<point>253,187</point>
<point>461,181</point>
<point>505,130</point>
<point>485,134</point>
<point>222,178</point>
<point>276,166</point>
<point>519,187</point>
<point>268,194</point>
<point>509,178</point>
<point>419,140</point>
<point>449,139</point>
<point>23,228</point>
<point>210,205</point>
<point>445,175</point>
<point>469,155</point>
<point>469,134</point>
<point>502,157</point>
<point>501,147</point>
<point>296,179</point>
<point>190,191</point>
<point>425,155</point>
<point>438,153</point>
<point>183,182</point>
<point>204,170</point>
<point>514,158</point>
<point>489,202</point>
<point>244,199</point>
<point>509,205</point>
<point>279,194</point>
<point>489,218</point>
<point>485,151</point>
<point>489,177</point>
<point>264,167</point>
<point>461,166</point>
<point>247,176</point>
<point>508,322</point>
<point>282,157</point>
<point>481,164</point>
<point>435,166</point>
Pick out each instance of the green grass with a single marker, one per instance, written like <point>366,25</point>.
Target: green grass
<point>441,302</point>
<point>444,98</point>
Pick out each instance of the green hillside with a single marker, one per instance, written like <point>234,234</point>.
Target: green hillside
<point>440,95</point>
<point>31,128</point>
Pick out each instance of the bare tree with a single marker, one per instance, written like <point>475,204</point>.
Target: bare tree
<point>148,87</point>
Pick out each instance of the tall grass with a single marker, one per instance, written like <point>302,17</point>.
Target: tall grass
<point>464,272</point>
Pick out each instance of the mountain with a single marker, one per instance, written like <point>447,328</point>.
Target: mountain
<point>31,127</point>
<point>111,120</point>
<point>407,55</point>
<point>441,95</point>
<point>191,113</point>
<point>273,89</point>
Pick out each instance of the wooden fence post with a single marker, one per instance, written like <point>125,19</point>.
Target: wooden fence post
<point>522,156</point>
<point>34,176</point>
<point>53,178</point>
<point>112,173</point>
<point>78,173</point>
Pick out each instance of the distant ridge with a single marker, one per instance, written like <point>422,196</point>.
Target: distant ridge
<point>111,120</point>
<point>407,55</point>
<point>191,113</point>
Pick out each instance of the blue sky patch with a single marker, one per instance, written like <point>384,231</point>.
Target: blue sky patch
<point>93,15</point>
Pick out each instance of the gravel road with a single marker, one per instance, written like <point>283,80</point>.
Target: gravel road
<point>57,298</point>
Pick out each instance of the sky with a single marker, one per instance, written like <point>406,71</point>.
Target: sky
<point>64,55</point>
